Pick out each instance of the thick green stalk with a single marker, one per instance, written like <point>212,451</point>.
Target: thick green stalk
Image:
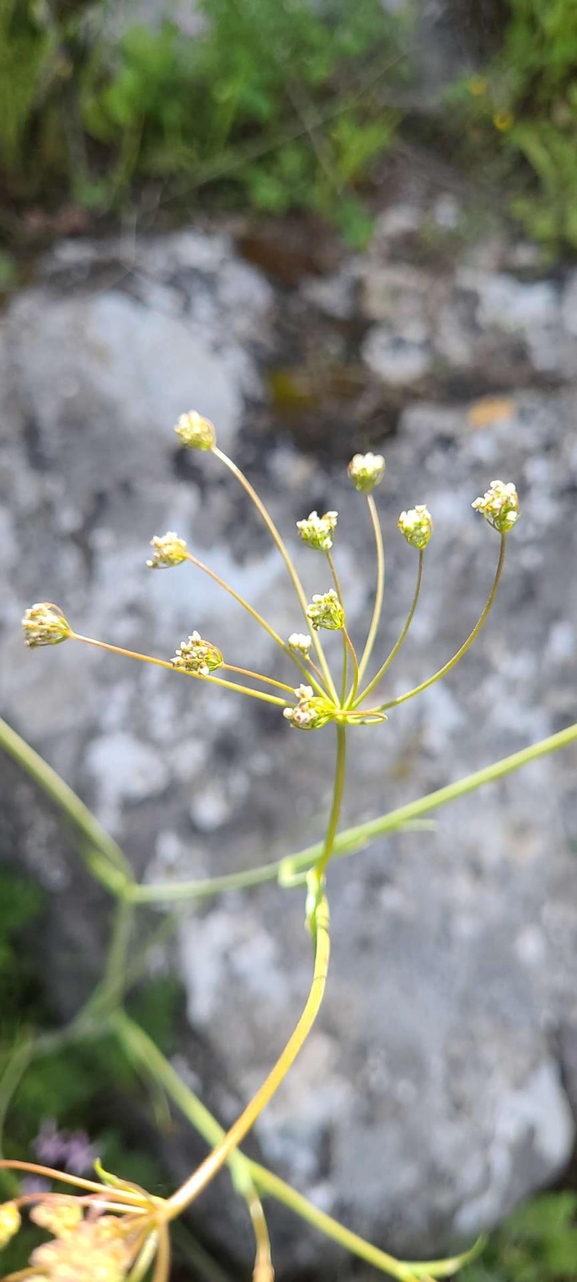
<point>113,869</point>
<point>338,789</point>
<point>351,840</point>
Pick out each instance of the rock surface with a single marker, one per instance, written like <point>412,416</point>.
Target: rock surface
<point>436,1089</point>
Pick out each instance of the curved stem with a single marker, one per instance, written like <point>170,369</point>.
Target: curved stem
<point>212,1164</point>
<point>255,615</point>
<point>401,638</point>
<point>268,1183</point>
<point>279,541</point>
<point>340,772</point>
<point>465,646</point>
<point>113,870</point>
<point>378,606</point>
<point>164,663</point>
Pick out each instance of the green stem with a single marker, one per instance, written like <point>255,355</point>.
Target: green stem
<point>220,1155</point>
<point>255,615</point>
<point>340,773</point>
<point>163,663</point>
<point>116,963</point>
<point>401,638</point>
<point>113,870</point>
<point>409,694</point>
<point>279,541</point>
<point>348,646</point>
<point>351,840</point>
<point>133,1038</point>
<point>378,606</point>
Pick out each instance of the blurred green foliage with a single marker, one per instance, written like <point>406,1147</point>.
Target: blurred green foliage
<point>537,1244</point>
<point>524,107</point>
<point>278,104</point>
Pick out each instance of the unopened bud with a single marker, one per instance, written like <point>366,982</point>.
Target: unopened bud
<point>416,526</point>
<point>168,550</point>
<point>500,506</point>
<point>197,655</point>
<point>9,1222</point>
<point>317,531</point>
<point>195,432</point>
<point>366,471</point>
<point>44,624</point>
<point>326,611</point>
<point>300,643</point>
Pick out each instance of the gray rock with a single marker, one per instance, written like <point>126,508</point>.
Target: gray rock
<point>430,1096</point>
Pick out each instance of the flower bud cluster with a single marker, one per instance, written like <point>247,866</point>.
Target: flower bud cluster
<point>197,655</point>
<point>366,471</point>
<point>59,1218</point>
<point>44,624</point>
<point>311,711</point>
<point>300,643</point>
<point>499,505</point>
<point>317,531</point>
<point>195,432</point>
<point>168,550</point>
<point>326,611</point>
<point>416,526</point>
<point>94,1252</point>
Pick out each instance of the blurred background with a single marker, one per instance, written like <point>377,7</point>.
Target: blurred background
<point>328,225</point>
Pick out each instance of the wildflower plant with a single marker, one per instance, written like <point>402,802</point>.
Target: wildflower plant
<point>113,1230</point>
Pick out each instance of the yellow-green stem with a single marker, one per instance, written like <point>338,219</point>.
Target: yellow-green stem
<point>257,676</point>
<point>380,588</point>
<point>113,868</point>
<point>280,543</point>
<point>213,1163</point>
<point>163,663</point>
<point>401,638</point>
<point>348,647</point>
<point>351,840</point>
<point>442,672</point>
<point>255,615</point>
<point>338,789</point>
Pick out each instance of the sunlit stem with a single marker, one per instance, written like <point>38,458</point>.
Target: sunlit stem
<point>126,1195</point>
<point>466,644</point>
<point>378,606</point>
<point>281,545</point>
<point>162,1265</point>
<point>268,1183</point>
<point>401,638</point>
<point>163,663</point>
<point>338,788</point>
<point>348,647</point>
<point>213,1163</point>
<point>263,1270</point>
<point>145,1258</point>
<point>255,615</point>
<point>257,676</point>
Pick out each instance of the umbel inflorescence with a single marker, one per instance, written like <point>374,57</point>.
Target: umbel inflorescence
<point>114,1231</point>
<point>319,698</point>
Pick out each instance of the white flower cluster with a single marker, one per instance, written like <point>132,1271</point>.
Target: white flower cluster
<point>317,531</point>
<point>197,655</point>
<point>500,506</point>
